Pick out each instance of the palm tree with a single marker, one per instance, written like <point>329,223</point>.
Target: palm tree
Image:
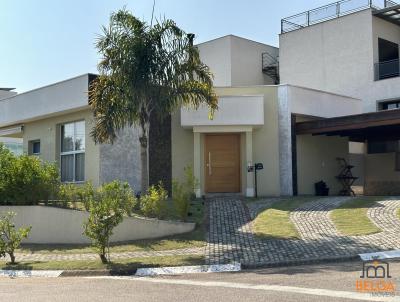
<point>144,71</point>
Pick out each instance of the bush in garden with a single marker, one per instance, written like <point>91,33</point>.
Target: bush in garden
<point>10,237</point>
<point>107,207</point>
<point>7,162</point>
<point>26,179</point>
<point>181,199</point>
<point>73,193</point>
<point>183,193</point>
<point>154,203</point>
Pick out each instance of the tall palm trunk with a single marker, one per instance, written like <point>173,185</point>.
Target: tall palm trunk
<point>143,139</point>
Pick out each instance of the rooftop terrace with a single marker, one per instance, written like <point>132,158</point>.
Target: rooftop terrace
<point>388,8</point>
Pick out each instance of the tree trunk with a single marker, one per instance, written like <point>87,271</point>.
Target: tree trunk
<point>12,257</point>
<point>103,258</point>
<point>144,163</point>
<point>143,139</point>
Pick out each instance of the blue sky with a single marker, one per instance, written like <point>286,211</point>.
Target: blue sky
<point>45,41</point>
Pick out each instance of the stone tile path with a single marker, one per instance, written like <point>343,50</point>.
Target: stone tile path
<point>230,237</point>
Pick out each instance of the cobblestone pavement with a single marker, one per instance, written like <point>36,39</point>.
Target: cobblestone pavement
<point>126,255</point>
<point>230,237</point>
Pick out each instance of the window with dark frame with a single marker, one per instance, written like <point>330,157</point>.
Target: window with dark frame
<point>73,152</point>
<point>389,105</point>
<point>34,147</point>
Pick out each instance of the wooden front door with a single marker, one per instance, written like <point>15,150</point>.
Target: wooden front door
<point>222,163</point>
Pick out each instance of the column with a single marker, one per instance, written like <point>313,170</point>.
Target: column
<point>249,161</point>
<point>196,161</point>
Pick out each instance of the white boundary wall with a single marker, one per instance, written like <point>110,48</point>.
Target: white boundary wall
<point>52,225</point>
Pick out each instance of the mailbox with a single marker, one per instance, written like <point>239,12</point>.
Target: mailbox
<point>259,166</point>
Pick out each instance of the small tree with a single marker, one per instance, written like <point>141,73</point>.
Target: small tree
<point>10,237</point>
<point>106,210</point>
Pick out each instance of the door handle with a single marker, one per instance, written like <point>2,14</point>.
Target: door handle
<point>209,164</point>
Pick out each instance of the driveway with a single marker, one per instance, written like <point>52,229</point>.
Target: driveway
<point>230,235</point>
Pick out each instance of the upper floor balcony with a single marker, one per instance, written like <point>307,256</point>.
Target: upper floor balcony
<point>335,10</point>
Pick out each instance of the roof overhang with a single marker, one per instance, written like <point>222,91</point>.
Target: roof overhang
<point>390,14</point>
<point>360,127</point>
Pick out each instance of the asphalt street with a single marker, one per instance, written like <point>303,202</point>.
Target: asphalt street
<point>329,282</point>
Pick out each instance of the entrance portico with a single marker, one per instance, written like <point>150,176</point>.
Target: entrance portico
<point>223,145</point>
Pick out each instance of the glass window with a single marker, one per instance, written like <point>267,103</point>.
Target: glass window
<point>73,152</point>
<point>390,105</point>
<point>36,147</point>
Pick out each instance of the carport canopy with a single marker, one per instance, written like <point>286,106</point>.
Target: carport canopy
<point>382,125</point>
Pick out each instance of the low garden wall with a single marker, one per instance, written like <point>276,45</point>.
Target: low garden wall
<point>52,225</point>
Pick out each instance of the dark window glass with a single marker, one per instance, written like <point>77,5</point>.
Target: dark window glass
<point>36,147</point>
<point>375,147</point>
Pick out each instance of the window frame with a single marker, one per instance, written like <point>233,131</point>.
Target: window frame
<point>73,152</point>
<point>33,147</point>
<point>385,103</point>
<point>31,143</point>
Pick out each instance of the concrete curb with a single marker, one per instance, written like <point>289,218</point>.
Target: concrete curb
<point>380,255</point>
<point>220,268</point>
<point>141,272</point>
<point>178,270</point>
<point>29,274</point>
<point>302,262</point>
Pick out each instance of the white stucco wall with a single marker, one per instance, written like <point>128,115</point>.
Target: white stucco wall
<point>59,98</point>
<point>216,54</point>
<point>236,61</point>
<point>232,110</point>
<point>63,226</point>
<point>338,56</point>
<point>246,57</point>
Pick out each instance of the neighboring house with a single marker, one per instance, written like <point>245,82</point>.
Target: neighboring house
<point>325,90</point>
<point>352,47</point>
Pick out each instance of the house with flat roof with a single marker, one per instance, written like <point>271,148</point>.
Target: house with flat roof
<point>252,125</point>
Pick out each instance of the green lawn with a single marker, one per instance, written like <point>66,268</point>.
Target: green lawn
<point>129,264</point>
<point>274,222</point>
<point>192,239</point>
<point>351,217</point>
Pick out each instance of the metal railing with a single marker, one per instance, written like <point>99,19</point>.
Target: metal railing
<point>268,60</point>
<point>387,69</point>
<point>331,11</point>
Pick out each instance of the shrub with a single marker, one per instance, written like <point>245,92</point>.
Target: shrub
<point>72,193</point>
<point>10,237</point>
<point>107,207</point>
<point>154,203</point>
<point>26,179</point>
<point>181,199</point>
<point>183,193</point>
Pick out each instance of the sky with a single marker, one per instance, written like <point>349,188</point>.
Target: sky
<point>46,41</point>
